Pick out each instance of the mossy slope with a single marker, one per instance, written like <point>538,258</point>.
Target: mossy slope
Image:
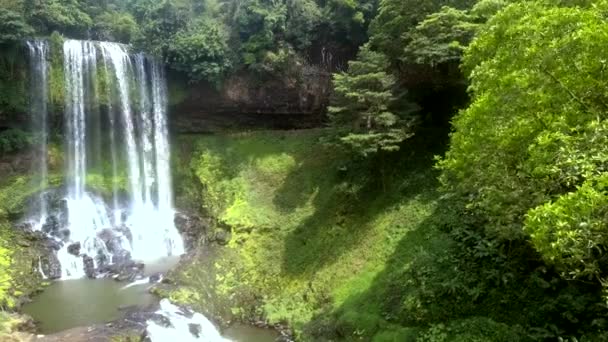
<point>338,250</point>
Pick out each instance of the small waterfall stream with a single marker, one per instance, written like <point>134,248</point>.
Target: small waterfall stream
<point>39,69</point>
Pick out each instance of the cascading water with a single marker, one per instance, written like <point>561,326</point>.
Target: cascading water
<point>38,51</point>
<point>117,100</point>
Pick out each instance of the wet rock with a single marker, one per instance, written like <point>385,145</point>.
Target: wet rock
<point>222,237</point>
<point>161,320</point>
<point>89,267</point>
<point>74,249</point>
<point>155,278</point>
<point>195,329</point>
<point>51,226</point>
<point>51,267</point>
<point>102,260</point>
<point>126,272</point>
<point>121,257</point>
<point>25,226</point>
<point>191,227</point>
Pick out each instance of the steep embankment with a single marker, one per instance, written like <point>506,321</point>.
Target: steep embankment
<point>335,249</point>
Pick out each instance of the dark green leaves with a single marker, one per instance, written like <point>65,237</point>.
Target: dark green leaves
<point>361,106</point>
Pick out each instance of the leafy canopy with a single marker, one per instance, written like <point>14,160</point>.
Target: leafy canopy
<point>528,155</point>
<point>360,108</point>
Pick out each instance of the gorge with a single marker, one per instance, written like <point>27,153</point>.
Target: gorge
<point>303,170</point>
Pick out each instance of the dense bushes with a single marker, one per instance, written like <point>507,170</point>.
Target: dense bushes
<point>14,140</point>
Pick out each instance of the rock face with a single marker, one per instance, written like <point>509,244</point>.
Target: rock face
<point>192,228</point>
<point>244,101</point>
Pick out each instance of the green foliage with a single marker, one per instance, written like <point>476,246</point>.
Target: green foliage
<point>303,20</point>
<point>392,29</point>
<point>571,232</point>
<point>526,158</point>
<point>12,27</point>
<point>13,140</point>
<point>115,26</point>
<point>56,79</point>
<point>158,22</point>
<point>348,20</point>
<point>202,52</point>
<point>440,38</point>
<point>67,16</point>
<point>524,100</point>
<point>360,109</point>
<point>5,277</point>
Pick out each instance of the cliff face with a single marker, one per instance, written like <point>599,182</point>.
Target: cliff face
<point>244,102</point>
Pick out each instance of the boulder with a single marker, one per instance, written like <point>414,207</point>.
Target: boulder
<point>191,227</point>
<point>155,278</point>
<point>222,237</point>
<point>74,249</point>
<point>51,267</point>
<point>51,226</point>
<point>89,267</point>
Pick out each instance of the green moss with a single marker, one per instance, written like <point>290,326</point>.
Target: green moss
<point>18,255</point>
<point>56,74</point>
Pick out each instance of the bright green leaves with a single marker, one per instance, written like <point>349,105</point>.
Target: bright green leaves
<point>532,142</point>
<point>572,233</point>
<point>361,106</point>
<point>5,276</point>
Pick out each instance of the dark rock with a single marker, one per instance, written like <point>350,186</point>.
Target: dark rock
<point>74,249</point>
<point>25,226</point>
<point>192,228</point>
<point>121,257</point>
<point>161,320</point>
<point>222,237</point>
<point>89,267</point>
<point>195,329</point>
<point>26,324</point>
<point>51,226</point>
<point>245,102</point>
<point>155,278</point>
<point>128,271</point>
<point>50,265</point>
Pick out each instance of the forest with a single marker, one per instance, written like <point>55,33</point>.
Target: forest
<point>450,188</point>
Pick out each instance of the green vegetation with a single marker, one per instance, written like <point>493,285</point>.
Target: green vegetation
<point>317,243</point>
<point>365,229</point>
<point>361,106</point>
<point>18,277</point>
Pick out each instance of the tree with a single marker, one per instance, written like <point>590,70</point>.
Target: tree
<point>13,27</point>
<point>440,38</point>
<point>527,157</point>
<point>391,28</point>
<point>202,52</point>
<point>360,108</point>
<point>115,26</point>
<point>64,16</point>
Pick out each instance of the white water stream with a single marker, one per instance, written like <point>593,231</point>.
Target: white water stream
<point>128,132</point>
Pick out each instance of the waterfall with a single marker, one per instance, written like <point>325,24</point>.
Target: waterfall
<point>116,131</point>
<point>38,51</point>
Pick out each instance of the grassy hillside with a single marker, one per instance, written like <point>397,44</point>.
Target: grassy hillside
<point>318,244</point>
